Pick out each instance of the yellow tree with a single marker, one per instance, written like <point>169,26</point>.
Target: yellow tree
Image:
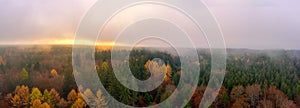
<point>2,61</point>
<point>24,76</point>
<point>53,73</point>
<point>147,68</point>
<point>72,96</point>
<point>23,92</point>
<point>36,103</point>
<point>104,66</point>
<point>79,103</point>
<point>45,105</point>
<point>21,96</point>
<point>16,101</point>
<point>47,97</point>
<point>35,94</point>
<point>168,75</point>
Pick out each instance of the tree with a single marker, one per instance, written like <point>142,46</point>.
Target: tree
<point>253,92</point>
<point>35,94</point>
<point>79,103</point>
<point>198,95</point>
<point>276,96</point>
<point>240,103</point>
<point>288,104</point>
<point>104,66</point>
<point>23,93</point>
<point>36,103</point>
<point>97,101</point>
<point>236,93</point>
<point>8,98</point>
<point>45,105</point>
<point>24,76</point>
<point>127,96</point>
<point>265,104</point>
<point>2,61</point>
<point>55,98</point>
<point>72,96</point>
<point>298,100</point>
<point>16,101</point>
<point>53,73</point>
<point>148,98</point>
<point>100,100</point>
<point>62,103</point>
<point>147,64</point>
<point>168,75</point>
<point>222,98</point>
<point>36,66</point>
<point>47,97</point>
<point>69,82</point>
<point>90,98</point>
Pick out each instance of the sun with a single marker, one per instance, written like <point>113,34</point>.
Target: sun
<point>100,45</point>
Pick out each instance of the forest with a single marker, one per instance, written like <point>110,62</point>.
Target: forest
<point>42,77</point>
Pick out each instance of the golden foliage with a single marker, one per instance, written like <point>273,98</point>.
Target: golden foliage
<point>53,73</point>
<point>72,96</point>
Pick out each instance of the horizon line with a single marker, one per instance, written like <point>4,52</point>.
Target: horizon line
<point>228,48</point>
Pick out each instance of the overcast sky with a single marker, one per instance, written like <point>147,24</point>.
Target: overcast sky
<point>257,24</point>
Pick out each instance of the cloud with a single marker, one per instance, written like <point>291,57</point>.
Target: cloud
<point>245,23</point>
<point>36,19</point>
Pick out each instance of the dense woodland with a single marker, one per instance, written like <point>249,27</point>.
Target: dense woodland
<point>42,77</point>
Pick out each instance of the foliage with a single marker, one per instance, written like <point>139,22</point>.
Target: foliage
<point>35,94</point>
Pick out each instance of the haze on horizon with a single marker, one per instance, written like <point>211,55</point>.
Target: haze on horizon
<point>255,24</point>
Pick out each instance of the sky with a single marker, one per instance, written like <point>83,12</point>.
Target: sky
<point>254,24</point>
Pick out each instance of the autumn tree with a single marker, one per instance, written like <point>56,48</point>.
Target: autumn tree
<point>100,101</point>
<point>45,105</point>
<point>24,76</point>
<point>46,97</point>
<point>104,66</point>
<point>168,76</point>
<point>147,64</point>
<point>253,92</point>
<point>2,61</point>
<point>53,73</point>
<point>276,96</point>
<point>62,103</point>
<point>265,104</point>
<point>36,103</point>
<point>72,96</point>
<point>236,93</point>
<point>16,101</point>
<point>21,97</point>
<point>55,98</point>
<point>298,100</point>
<point>79,103</point>
<point>35,94</point>
<point>90,97</point>
<point>8,98</point>
<point>241,103</point>
<point>222,98</point>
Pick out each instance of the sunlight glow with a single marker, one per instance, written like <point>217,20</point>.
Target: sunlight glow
<point>81,42</point>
